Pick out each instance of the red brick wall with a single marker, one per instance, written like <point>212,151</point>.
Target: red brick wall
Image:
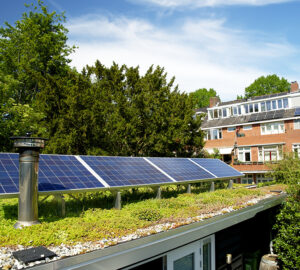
<point>254,137</point>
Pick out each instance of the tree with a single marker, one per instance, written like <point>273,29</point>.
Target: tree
<point>200,97</point>
<point>32,49</point>
<point>270,84</point>
<point>286,242</point>
<point>33,57</point>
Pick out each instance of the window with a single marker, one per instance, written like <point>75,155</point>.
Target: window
<point>285,103</point>
<point>248,127</point>
<point>296,150</point>
<point>251,108</point>
<point>199,255</point>
<point>235,111</point>
<point>256,107</point>
<point>279,103</point>
<point>244,154</point>
<point>270,153</point>
<point>272,128</point>
<point>216,114</point>
<point>224,112</point>
<point>263,106</point>
<point>211,114</point>
<point>274,104</point>
<point>261,178</point>
<point>297,124</point>
<point>214,134</point>
<point>240,110</point>
<point>246,108</point>
<point>247,179</point>
<point>268,103</point>
<point>231,129</point>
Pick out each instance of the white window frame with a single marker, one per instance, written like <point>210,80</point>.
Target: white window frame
<point>242,154</point>
<point>296,149</point>
<point>247,127</point>
<point>270,128</point>
<point>195,248</point>
<point>264,151</point>
<point>296,123</point>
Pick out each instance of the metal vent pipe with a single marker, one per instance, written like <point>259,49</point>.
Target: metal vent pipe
<point>28,149</point>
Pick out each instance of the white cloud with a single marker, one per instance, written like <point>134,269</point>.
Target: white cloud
<point>208,3</point>
<point>200,53</point>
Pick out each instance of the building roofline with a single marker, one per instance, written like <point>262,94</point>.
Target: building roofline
<point>252,123</point>
<point>253,100</point>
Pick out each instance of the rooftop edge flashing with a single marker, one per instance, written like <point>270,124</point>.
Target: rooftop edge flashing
<point>128,253</point>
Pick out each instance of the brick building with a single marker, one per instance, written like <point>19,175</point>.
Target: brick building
<point>249,133</point>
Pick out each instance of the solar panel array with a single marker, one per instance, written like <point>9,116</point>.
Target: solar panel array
<point>62,173</point>
<point>266,115</point>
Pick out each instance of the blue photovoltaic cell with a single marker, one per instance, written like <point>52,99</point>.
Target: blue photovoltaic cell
<point>59,172</point>
<point>125,171</point>
<point>56,172</point>
<point>9,173</point>
<point>181,169</point>
<point>217,167</point>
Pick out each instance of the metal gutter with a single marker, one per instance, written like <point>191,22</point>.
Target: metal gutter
<point>128,253</point>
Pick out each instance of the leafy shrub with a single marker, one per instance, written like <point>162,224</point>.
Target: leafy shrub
<point>287,242</point>
<point>148,214</point>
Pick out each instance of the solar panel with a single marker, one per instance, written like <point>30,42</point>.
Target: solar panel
<point>297,111</point>
<point>60,172</point>
<point>181,169</point>
<point>126,171</point>
<point>68,173</point>
<point>9,173</point>
<point>217,167</point>
<point>278,114</point>
<point>252,117</point>
<point>56,173</point>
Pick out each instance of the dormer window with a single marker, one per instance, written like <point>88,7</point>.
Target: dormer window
<point>224,112</point>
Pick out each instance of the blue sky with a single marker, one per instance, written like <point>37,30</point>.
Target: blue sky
<point>220,44</point>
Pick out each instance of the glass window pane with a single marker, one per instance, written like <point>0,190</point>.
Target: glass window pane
<point>285,103</point>
<point>274,104</point>
<point>263,106</point>
<point>268,105</point>
<point>279,103</point>
<point>247,157</point>
<point>251,108</point>
<point>235,110</point>
<point>207,256</point>
<point>215,134</point>
<point>246,108</point>
<point>224,112</point>
<point>256,107</point>
<point>240,109</point>
<point>186,263</point>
